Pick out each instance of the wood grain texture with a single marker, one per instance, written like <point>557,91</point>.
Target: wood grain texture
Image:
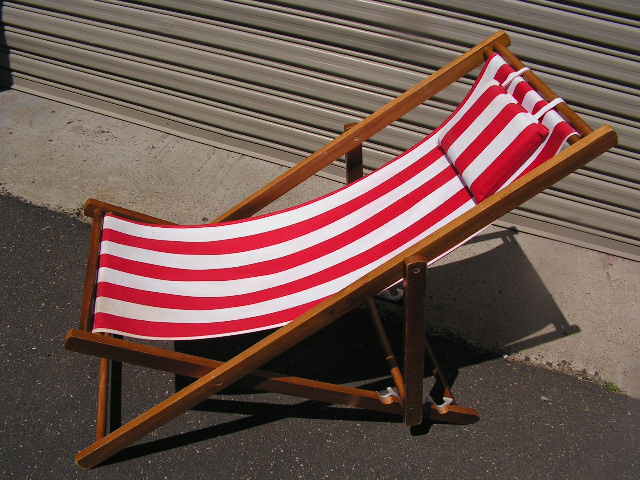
<point>414,337</point>
<point>102,413</point>
<point>447,237</point>
<point>331,309</point>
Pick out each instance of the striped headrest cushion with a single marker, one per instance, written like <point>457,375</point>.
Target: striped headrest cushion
<point>502,130</point>
<point>559,129</point>
<point>491,140</point>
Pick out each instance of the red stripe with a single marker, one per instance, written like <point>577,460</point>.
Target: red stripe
<point>488,135</point>
<point>503,73</point>
<point>297,258</point>
<point>471,115</point>
<point>521,90</point>
<point>538,105</point>
<point>480,79</point>
<point>264,239</point>
<point>508,162</point>
<point>555,141</point>
<point>367,257</point>
<point>170,330</point>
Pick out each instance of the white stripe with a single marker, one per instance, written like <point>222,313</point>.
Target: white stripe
<point>513,76</point>
<point>531,98</point>
<point>480,89</point>
<point>513,129</point>
<point>224,288</point>
<point>278,220</point>
<point>279,250</point>
<point>552,104</point>
<point>473,131</point>
<point>156,314</point>
<point>550,124</point>
<point>193,337</point>
<point>483,83</point>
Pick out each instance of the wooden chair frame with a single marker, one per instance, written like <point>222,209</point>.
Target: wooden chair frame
<point>213,376</point>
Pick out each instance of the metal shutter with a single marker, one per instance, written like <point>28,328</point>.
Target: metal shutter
<point>279,79</point>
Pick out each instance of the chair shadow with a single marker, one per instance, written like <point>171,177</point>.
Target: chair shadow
<point>462,296</point>
<point>6,79</point>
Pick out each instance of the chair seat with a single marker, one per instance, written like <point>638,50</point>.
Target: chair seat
<point>168,282</point>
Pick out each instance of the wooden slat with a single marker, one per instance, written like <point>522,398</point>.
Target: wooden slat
<point>389,356</point>
<point>375,122</point>
<point>93,208</point>
<point>414,337</point>
<point>329,310</point>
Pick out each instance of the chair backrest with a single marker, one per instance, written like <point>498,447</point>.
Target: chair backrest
<point>502,130</point>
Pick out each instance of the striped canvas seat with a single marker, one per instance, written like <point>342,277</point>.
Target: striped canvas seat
<point>169,282</point>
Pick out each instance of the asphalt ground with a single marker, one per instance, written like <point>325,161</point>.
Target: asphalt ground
<point>535,423</point>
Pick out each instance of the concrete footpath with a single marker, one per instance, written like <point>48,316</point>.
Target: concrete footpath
<point>545,303</point>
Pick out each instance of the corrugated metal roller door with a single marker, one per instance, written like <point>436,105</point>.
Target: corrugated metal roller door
<point>279,79</point>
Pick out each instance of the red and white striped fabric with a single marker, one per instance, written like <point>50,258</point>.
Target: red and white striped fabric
<point>188,282</point>
<point>165,282</point>
<point>503,129</point>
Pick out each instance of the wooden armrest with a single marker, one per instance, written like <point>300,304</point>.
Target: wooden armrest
<point>95,208</point>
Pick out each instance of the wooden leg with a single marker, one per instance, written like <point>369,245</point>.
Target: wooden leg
<point>102,417</point>
<point>353,160</point>
<point>416,343</point>
<point>414,338</point>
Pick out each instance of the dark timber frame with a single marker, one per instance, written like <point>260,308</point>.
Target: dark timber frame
<point>407,400</point>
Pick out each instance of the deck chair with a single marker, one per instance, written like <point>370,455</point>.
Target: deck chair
<point>302,268</point>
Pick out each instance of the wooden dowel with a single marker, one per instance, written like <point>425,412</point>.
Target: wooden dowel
<point>353,160</point>
<point>389,356</point>
<point>546,92</point>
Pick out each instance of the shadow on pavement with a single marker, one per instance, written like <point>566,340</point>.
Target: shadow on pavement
<point>557,425</point>
<point>496,293</point>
